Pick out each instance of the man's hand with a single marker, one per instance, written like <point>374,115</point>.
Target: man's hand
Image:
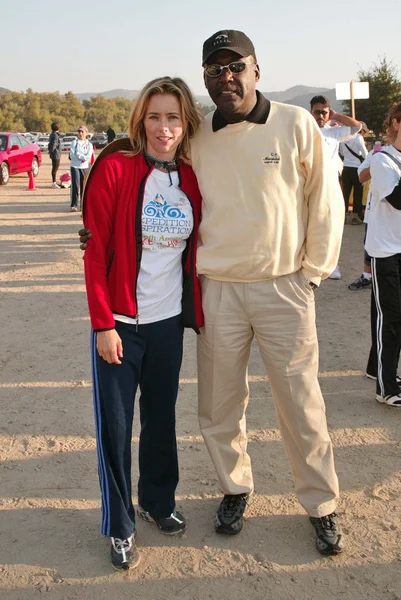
<point>332,115</point>
<point>343,119</point>
<point>109,346</point>
<point>84,236</point>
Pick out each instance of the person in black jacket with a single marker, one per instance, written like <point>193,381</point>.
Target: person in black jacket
<point>111,134</point>
<point>55,152</point>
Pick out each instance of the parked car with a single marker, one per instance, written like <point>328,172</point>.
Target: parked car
<point>99,140</point>
<point>31,138</point>
<point>121,135</point>
<point>17,155</point>
<point>66,142</point>
<point>43,142</point>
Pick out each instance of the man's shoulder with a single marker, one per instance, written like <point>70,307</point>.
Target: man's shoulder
<point>290,111</point>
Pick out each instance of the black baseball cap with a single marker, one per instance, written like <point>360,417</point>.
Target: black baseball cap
<point>228,39</point>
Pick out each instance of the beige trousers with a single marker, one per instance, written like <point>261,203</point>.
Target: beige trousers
<point>281,314</point>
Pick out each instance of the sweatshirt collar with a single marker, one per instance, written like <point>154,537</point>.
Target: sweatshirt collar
<point>258,114</point>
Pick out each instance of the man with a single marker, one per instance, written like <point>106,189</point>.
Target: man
<point>271,229</point>
<point>111,134</point>
<point>349,127</point>
<point>55,152</point>
<point>354,152</point>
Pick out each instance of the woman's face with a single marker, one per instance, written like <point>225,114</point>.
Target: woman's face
<point>164,126</point>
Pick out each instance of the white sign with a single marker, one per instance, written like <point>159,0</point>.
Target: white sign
<point>361,90</point>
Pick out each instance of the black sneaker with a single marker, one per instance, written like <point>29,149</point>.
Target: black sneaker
<point>328,535</point>
<point>362,283</point>
<point>172,525</point>
<point>229,515</point>
<point>124,554</point>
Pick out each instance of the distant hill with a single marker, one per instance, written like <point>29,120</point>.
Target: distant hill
<point>298,95</point>
<point>295,92</point>
<point>118,93</point>
<point>304,99</point>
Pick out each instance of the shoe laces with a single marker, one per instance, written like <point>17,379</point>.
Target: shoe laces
<point>122,546</point>
<point>232,503</point>
<point>328,522</point>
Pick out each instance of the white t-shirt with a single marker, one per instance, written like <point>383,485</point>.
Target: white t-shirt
<point>356,144</point>
<point>333,136</point>
<point>384,231</point>
<point>362,167</point>
<point>167,222</point>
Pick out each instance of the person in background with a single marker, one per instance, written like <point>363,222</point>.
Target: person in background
<point>142,204</point>
<point>81,151</point>
<point>354,153</point>
<point>323,115</point>
<point>111,134</point>
<point>55,152</point>
<point>365,280</point>
<point>383,244</point>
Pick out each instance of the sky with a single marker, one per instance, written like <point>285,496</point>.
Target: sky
<point>100,45</point>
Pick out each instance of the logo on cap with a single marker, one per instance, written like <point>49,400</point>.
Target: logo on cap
<point>221,39</point>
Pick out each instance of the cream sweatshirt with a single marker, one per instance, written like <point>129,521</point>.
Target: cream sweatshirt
<point>271,202</point>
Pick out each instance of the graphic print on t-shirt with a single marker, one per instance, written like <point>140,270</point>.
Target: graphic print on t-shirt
<point>166,224</point>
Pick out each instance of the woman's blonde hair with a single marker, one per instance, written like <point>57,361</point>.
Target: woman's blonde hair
<point>189,113</point>
<point>393,113</point>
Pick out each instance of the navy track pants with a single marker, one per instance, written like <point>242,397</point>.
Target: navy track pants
<point>152,359</point>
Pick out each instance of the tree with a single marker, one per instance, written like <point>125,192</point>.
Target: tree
<point>384,90</point>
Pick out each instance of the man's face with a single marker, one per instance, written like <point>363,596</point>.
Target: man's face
<point>321,113</point>
<point>233,93</point>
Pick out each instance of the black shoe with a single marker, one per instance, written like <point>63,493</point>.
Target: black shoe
<point>328,535</point>
<point>124,554</point>
<point>172,525</point>
<point>229,515</point>
<point>362,283</point>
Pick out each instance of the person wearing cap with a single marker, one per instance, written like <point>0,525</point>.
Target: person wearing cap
<point>354,152</point>
<point>271,230</point>
<point>81,151</point>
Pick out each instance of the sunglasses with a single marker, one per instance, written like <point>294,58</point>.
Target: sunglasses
<point>320,112</point>
<point>234,67</point>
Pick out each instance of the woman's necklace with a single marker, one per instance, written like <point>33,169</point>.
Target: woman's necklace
<point>168,165</point>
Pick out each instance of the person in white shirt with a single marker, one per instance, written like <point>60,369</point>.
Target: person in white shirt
<point>324,115</point>
<point>354,152</point>
<point>383,244</point>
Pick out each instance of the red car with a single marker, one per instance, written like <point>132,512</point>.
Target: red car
<point>17,155</point>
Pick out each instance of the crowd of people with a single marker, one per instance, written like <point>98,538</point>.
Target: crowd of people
<point>227,225</point>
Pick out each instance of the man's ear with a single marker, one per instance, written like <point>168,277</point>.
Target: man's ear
<point>257,72</point>
<point>204,79</point>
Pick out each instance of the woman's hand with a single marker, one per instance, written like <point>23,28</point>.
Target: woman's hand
<point>109,346</point>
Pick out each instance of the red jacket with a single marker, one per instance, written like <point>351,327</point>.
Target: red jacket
<point>112,209</point>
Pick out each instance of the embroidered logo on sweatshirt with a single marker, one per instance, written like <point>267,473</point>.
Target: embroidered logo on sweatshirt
<point>272,159</point>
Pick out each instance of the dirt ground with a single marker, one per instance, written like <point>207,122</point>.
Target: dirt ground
<point>50,541</point>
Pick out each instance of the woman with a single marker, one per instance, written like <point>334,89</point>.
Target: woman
<point>383,244</point>
<point>55,152</point>
<point>81,151</point>
<point>142,205</point>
